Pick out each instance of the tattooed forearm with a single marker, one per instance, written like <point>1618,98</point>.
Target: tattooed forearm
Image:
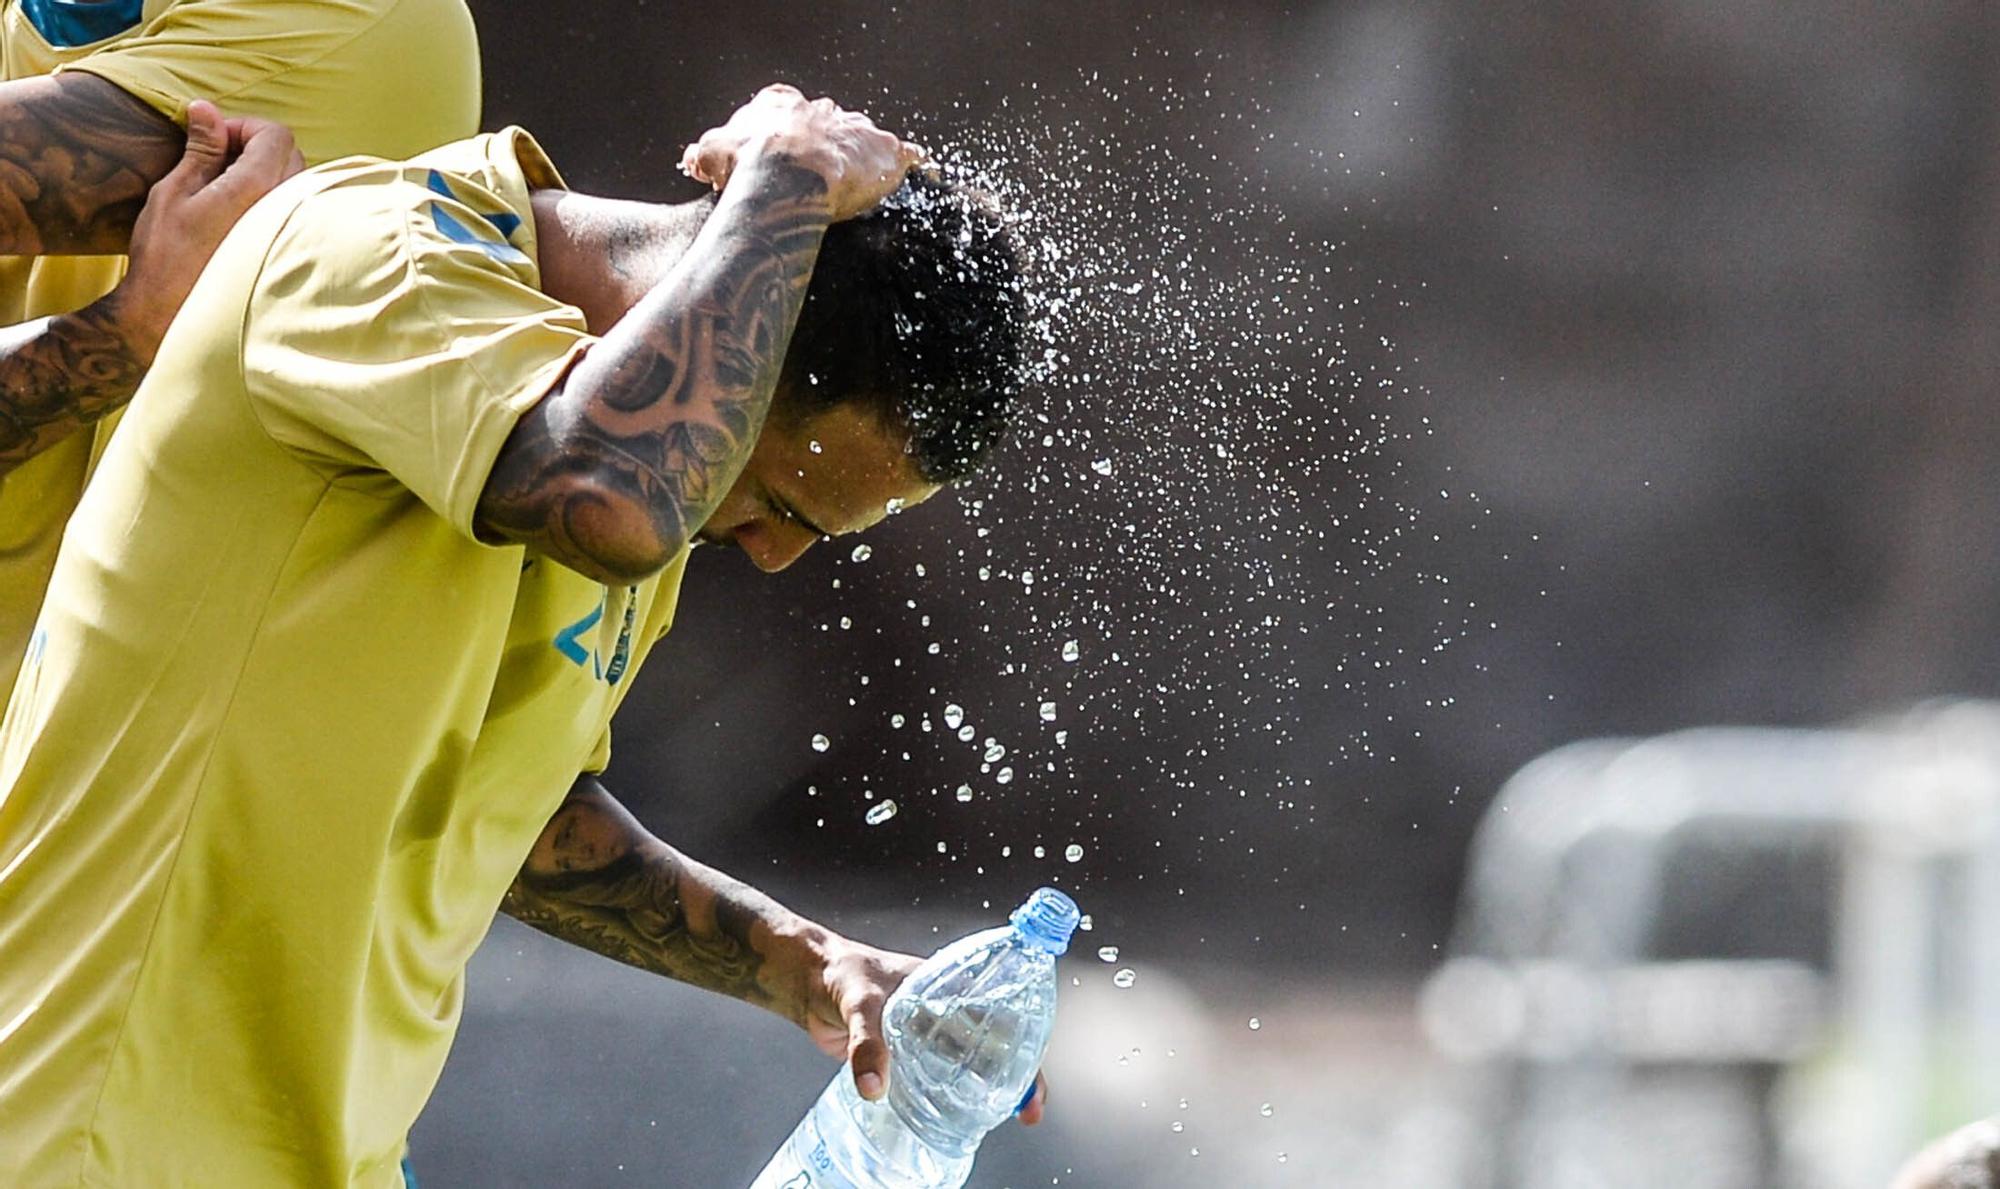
<point>58,375</point>
<point>77,156</point>
<point>631,910</point>
<point>612,474</point>
<point>597,879</point>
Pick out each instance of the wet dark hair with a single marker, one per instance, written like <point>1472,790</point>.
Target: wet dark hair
<point>918,309</point>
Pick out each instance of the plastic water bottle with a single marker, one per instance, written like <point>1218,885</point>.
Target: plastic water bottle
<point>966,1033</point>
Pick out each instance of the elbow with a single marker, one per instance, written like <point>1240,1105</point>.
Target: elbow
<point>586,521</point>
<point>612,536</point>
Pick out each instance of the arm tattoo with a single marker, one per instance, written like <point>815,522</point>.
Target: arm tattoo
<point>58,375</point>
<point>598,880</point>
<point>77,156</point>
<point>631,910</point>
<point>612,474</point>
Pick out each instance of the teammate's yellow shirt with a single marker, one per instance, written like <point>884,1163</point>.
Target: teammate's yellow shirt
<point>287,731</point>
<point>387,77</point>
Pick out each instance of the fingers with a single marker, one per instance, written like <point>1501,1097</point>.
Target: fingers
<point>709,162</point>
<point>207,151</point>
<point>860,162</point>
<point>268,157</point>
<point>867,1052</point>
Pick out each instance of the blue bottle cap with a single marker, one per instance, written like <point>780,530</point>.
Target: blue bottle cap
<point>1047,919</point>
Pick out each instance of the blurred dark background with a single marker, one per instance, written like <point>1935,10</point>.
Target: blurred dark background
<point>1433,384</point>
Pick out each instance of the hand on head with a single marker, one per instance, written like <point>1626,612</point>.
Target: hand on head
<point>860,163</point>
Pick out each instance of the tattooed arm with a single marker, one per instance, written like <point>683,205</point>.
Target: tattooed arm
<point>612,473</point>
<point>598,879</point>
<point>61,373</point>
<point>77,156</point>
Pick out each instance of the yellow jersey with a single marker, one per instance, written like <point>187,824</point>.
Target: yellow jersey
<point>287,730</point>
<point>388,77</point>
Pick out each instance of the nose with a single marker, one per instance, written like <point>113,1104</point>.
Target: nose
<point>773,546</point>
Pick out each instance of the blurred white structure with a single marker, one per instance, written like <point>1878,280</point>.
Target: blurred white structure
<point>1731,958</point>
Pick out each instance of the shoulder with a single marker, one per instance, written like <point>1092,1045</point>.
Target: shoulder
<point>391,77</point>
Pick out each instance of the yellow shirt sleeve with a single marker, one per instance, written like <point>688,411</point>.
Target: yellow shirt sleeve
<point>376,341</point>
<point>389,78</point>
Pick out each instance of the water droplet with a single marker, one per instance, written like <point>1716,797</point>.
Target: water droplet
<point>1107,953</point>
<point>966,732</point>
<point>1004,775</point>
<point>821,743</point>
<point>1073,852</point>
<point>1255,1023</point>
<point>1123,979</point>
<point>994,752</point>
<point>1048,711</point>
<point>862,553</point>
<point>1085,923</point>
<point>896,720</point>
<point>893,508</point>
<point>1102,466</point>
<point>1282,1158</point>
<point>953,715</point>
<point>964,792</point>
<point>1041,852</point>
<point>1265,1110</point>
<point>1070,650</point>
<point>1179,1127</point>
<point>879,812</point>
<point>815,447</point>
<point>846,622</point>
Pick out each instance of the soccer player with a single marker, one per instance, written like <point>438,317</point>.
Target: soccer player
<point>90,118</point>
<point>351,601</point>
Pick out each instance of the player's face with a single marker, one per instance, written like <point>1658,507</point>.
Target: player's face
<point>831,474</point>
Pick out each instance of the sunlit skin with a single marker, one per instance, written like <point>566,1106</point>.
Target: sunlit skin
<point>789,496</point>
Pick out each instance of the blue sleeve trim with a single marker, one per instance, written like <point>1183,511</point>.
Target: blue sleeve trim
<point>67,24</point>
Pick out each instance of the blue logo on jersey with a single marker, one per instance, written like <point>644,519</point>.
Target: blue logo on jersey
<point>610,672</point>
<point>504,223</point>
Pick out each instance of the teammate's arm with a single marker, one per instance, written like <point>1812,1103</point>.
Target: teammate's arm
<point>58,374</point>
<point>598,879</point>
<point>77,156</point>
<point>613,471</point>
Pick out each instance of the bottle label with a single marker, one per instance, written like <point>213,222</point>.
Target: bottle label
<point>810,1148</point>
